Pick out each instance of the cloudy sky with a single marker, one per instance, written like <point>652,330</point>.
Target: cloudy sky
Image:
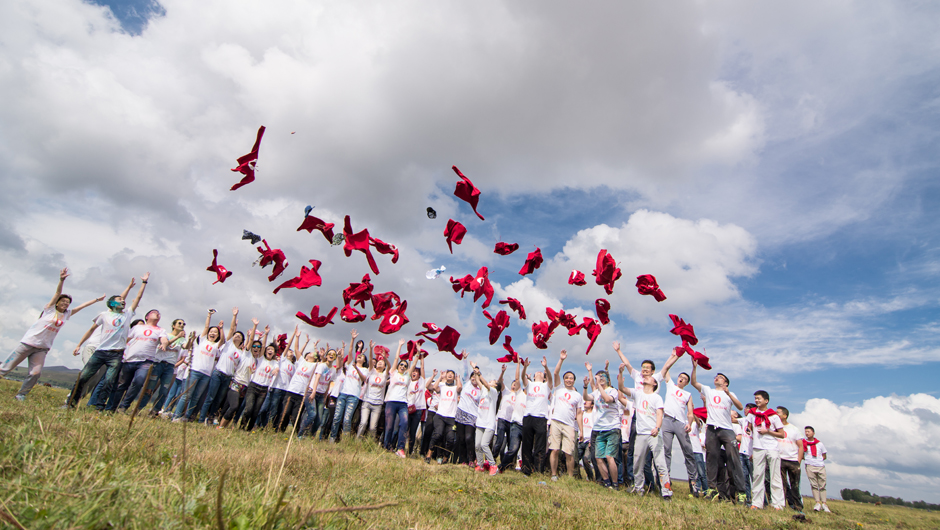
<point>772,165</point>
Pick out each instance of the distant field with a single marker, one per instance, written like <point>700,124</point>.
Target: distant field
<point>80,469</point>
<point>57,376</point>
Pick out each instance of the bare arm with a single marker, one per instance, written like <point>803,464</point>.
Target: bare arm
<point>499,382</point>
<point>205,330</point>
<point>669,362</point>
<point>140,292</point>
<point>695,384</point>
<point>659,422</point>
<point>734,399</point>
<point>88,303</point>
<point>548,375</point>
<point>561,359</point>
<point>620,387</point>
<point>78,349</point>
<point>231,328</point>
<point>623,358</point>
<point>525,380</point>
<point>688,424</point>
<point>401,342</point>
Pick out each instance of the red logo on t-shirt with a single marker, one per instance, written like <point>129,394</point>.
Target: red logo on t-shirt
<point>450,393</point>
<point>378,380</point>
<point>717,400</point>
<point>567,396</point>
<point>473,392</point>
<point>267,369</point>
<point>148,332</point>
<point>394,320</point>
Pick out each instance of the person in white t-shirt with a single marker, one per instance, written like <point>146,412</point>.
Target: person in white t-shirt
<point>349,393</point>
<point>814,456</point>
<point>143,341</point>
<point>260,383</point>
<point>585,431</point>
<point>511,410</point>
<point>202,362</point>
<point>396,402</point>
<point>294,393</point>
<point>38,339</point>
<point>745,445</point>
<point>317,395</point>
<point>567,404</point>
<point>648,418</point>
<point>224,369</point>
<point>486,425</point>
<point>535,422</point>
<point>431,400</point>
<point>677,424</point>
<point>449,386</point>
<point>417,404</point>
<point>791,455</point>
<point>115,324</point>
<point>720,434</point>
<point>161,377</point>
<point>466,417</point>
<point>766,430</point>
<point>238,388</point>
<point>606,426</point>
<point>697,438</point>
<point>374,399</point>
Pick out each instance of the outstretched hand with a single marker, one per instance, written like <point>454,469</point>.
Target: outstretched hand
<point>64,273</point>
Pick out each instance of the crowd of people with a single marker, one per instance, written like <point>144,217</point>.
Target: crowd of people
<point>619,436</point>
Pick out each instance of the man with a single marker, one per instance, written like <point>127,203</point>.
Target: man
<point>814,453</point>
<point>566,416</point>
<point>140,354</point>
<point>115,324</point>
<point>766,430</point>
<point>720,434</point>
<point>606,425</point>
<point>535,421</point>
<point>677,424</point>
<point>791,454</point>
<point>648,411</point>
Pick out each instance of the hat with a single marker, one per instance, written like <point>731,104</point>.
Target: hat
<point>275,256</point>
<point>308,209</point>
<point>512,356</point>
<point>246,163</point>
<point>306,278</point>
<point>602,306</point>
<point>312,223</point>
<point>358,241</point>
<point>606,271</point>
<point>350,315</point>
<point>382,303</point>
<point>359,293</point>
<point>467,191</point>
<point>431,213</point>
<point>505,249</point>
<point>515,305</point>
<point>646,284</point>
<point>314,319</point>
<point>221,272</point>
<point>394,319</point>
<point>532,262</point>
<point>576,278</point>
<point>254,238</point>
<point>454,233</point>
<point>686,331</point>
<point>496,325</point>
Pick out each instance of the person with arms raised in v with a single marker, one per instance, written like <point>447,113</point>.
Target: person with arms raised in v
<point>567,405</point>
<point>535,422</point>
<point>606,425</point>
<point>677,424</point>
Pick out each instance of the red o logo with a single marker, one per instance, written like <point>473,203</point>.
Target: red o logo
<point>645,404</point>
<point>115,322</point>
<point>678,393</point>
<point>267,369</point>
<point>148,332</point>
<point>378,380</point>
<point>209,349</point>
<point>567,396</point>
<point>450,393</point>
<point>473,392</point>
<point>58,323</point>
<point>717,400</point>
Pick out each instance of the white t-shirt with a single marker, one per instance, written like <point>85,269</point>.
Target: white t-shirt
<point>817,460</point>
<point>718,404</point>
<point>182,371</point>
<point>744,446</point>
<point>351,384</point>
<point>142,342</point>
<point>205,354</point>
<point>638,380</point>
<point>327,373</point>
<point>228,358</point>
<point>608,415</point>
<point>506,404</point>
<point>416,394</point>
<point>337,384</point>
<point>435,398</point>
<point>246,366</point>
<point>285,372</point>
<point>470,399</point>
<point>787,446</point>
<point>676,403</point>
<point>645,410</point>
<point>265,372</point>
<point>114,329</point>
<point>375,387</point>
<point>447,407</point>
<point>765,442</point>
<point>397,387</point>
<point>536,399</point>
<point>694,439</point>
<point>303,373</point>
<point>486,419</point>
<point>626,417</point>
<point>587,424</point>
<point>565,405</point>
<point>172,352</point>
<point>43,331</point>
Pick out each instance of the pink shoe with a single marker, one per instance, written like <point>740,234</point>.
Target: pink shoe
<point>494,470</point>
<point>401,453</point>
<point>478,468</point>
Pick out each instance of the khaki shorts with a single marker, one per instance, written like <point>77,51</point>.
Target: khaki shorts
<point>561,436</point>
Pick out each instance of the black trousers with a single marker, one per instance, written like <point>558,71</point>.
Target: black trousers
<point>466,443</point>
<point>292,405</point>
<point>428,432</point>
<point>790,473</point>
<point>534,438</point>
<point>254,397</point>
<point>414,419</point>
<point>715,440</point>
<point>443,431</point>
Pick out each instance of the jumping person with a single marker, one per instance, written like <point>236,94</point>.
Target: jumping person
<point>417,404</point>
<point>202,361</point>
<point>486,424</point>
<point>396,402</point>
<point>677,424</point>
<point>567,405</point>
<point>38,339</point>
<point>349,393</point>
<point>229,354</point>
<point>466,417</point>
<point>374,393</point>
<point>143,341</point>
<point>648,418</point>
<point>238,388</point>
<point>163,365</point>
<point>444,422</point>
<point>535,422</point>
<point>299,382</point>
<point>606,425</point>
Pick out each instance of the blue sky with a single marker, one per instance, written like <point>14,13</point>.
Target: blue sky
<point>773,166</point>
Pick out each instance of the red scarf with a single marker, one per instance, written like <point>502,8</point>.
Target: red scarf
<point>811,445</point>
<point>763,417</point>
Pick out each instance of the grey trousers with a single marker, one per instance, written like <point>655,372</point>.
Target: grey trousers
<point>484,437</point>
<point>36,356</point>
<point>644,443</point>
<point>674,428</point>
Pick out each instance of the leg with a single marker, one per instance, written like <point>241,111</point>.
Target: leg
<point>478,446</point>
<point>690,468</point>
<point>110,379</point>
<point>351,403</point>
<point>364,414</point>
<point>374,418</point>
<point>488,435</point>
<point>528,437</point>
<point>502,429</point>
<point>449,435</point>
<point>36,357</point>
<point>712,458</point>
<point>539,441</point>
<point>414,419</point>
<point>747,470</point>
<point>508,460</point>
<point>631,452</point>
<point>329,417</point>
<point>640,445</point>
<point>469,436</point>
<point>125,377</point>
<point>662,470</point>
<point>759,467</point>
<point>428,434</point>
<point>701,472</point>
<point>138,381</point>
<point>19,354</point>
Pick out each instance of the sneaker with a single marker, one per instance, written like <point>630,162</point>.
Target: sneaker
<point>494,470</point>
<point>667,497</point>
<point>19,397</point>
<point>742,498</point>
<point>478,468</point>
<point>440,460</point>
<point>710,494</point>
<point>554,478</point>
<point>817,507</point>
<point>825,508</point>
<point>754,507</point>
<point>400,453</point>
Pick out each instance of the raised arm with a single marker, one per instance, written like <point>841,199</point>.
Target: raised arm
<point>518,368</point>
<point>63,274</point>
<point>78,349</point>
<point>482,380</point>
<point>140,292</point>
<point>401,342</point>
<point>421,372</point>
<point>548,375</point>
<point>587,384</point>
<point>623,358</point>
<point>695,384</point>
<point>561,359</point>
<point>127,290</point>
<point>88,303</point>
<point>502,373</point>
<point>371,354</point>
<point>669,362</point>
<point>620,386</point>
<point>205,330</point>
<point>232,326</point>
<point>525,378</point>
<point>251,334</point>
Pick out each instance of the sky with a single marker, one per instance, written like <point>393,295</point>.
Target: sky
<point>772,165</point>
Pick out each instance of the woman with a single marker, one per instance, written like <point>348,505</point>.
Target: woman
<point>222,374</point>
<point>349,392</point>
<point>181,374</point>
<point>317,392</point>
<point>433,399</point>
<point>374,393</point>
<point>329,413</point>
<point>162,375</point>
<point>294,393</point>
<point>396,402</point>
<point>417,404</point>
<point>38,339</point>
<point>466,418</point>
<point>486,424</point>
<point>258,386</point>
<point>273,404</point>
<point>450,392</point>
<point>204,354</point>
<point>243,372</point>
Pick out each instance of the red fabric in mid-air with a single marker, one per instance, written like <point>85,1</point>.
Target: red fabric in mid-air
<point>602,306</point>
<point>315,319</point>
<point>505,249</point>
<point>412,348</point>
<point>606,271</point>
<point>383,303</point>
<point>541,332</point>
<point>467,191</point>
<point>515,305</point>
<point>394,319</point>
<point>576,278</point>
<point>482,287</point>
<point>306,278</point>
<point>358,241</point>
<point>384,248</point>
<point>497,324</point>
<point>350,315</point>
<point>275,256</point>
<point>512,356</point>
<point>686,331</point>
<point>221,273</point>
<point>359,293</point>
<point>532,262</point>
<point>312,223</point>
<point>446,340</point>
<point>454,233</point>
<point>246,163</point>
<point>646,284</point>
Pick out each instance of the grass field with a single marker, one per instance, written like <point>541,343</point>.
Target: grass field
<point>80,469</point>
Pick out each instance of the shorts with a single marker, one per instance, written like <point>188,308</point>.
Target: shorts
<point>608,443</point>
<point>561,436</point>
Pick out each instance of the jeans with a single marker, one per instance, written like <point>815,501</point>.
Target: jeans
<point>328,417</point>
<point>218,388</point>
<point>161,377</point>
<point>790,472</point>
<point>508,460</point>
<point>502,433</point>
<point>314,410</point>
<point>715,440</point>
<point>747,467</point>
<point>176,390</point>
<point>586,457</point>
<point>196,386</point>
<point>396,424</point>
<point>254,397</point>
<point>701,473</point>
<point>36,356</point>
<point>270,408</point>
<point>133,378</point>
<point>345,407</point>
<point>109,358</point>
<point>534,431</point>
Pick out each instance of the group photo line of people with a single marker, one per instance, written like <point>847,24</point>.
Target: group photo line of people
<point>617,430</point>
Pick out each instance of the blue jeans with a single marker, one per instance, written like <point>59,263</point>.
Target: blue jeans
<point>160,380</point>
<point>195,387</point>
<point>396,422</point>
<point>508,460</point>
<point>271,408</point>
<point>748,466</point>
<point>175,390</point>
<point>345,407</point>
<point>96,394</point>
<point>502,433</point>
<point>218,388</point>
<point>109,358</point>
<point>133,378</point>
<point>314,411</point>
<point>702,473</point>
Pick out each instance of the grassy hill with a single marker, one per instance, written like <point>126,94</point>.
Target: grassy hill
<point>57,376</point>
<point>80,469</point>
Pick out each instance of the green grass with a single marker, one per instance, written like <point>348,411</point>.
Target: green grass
<point>79,469</point>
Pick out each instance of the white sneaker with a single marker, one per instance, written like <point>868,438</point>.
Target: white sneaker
<point>20,397</point>
<point>817,507</point>
<point>825,508</point>
<point>554,478</point>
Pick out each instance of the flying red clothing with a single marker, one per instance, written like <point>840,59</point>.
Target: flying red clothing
<point>306,278</point>
<point>467,191</point>
<point>246,163</point>
<point>221,272</point>
<point>315,319</point>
